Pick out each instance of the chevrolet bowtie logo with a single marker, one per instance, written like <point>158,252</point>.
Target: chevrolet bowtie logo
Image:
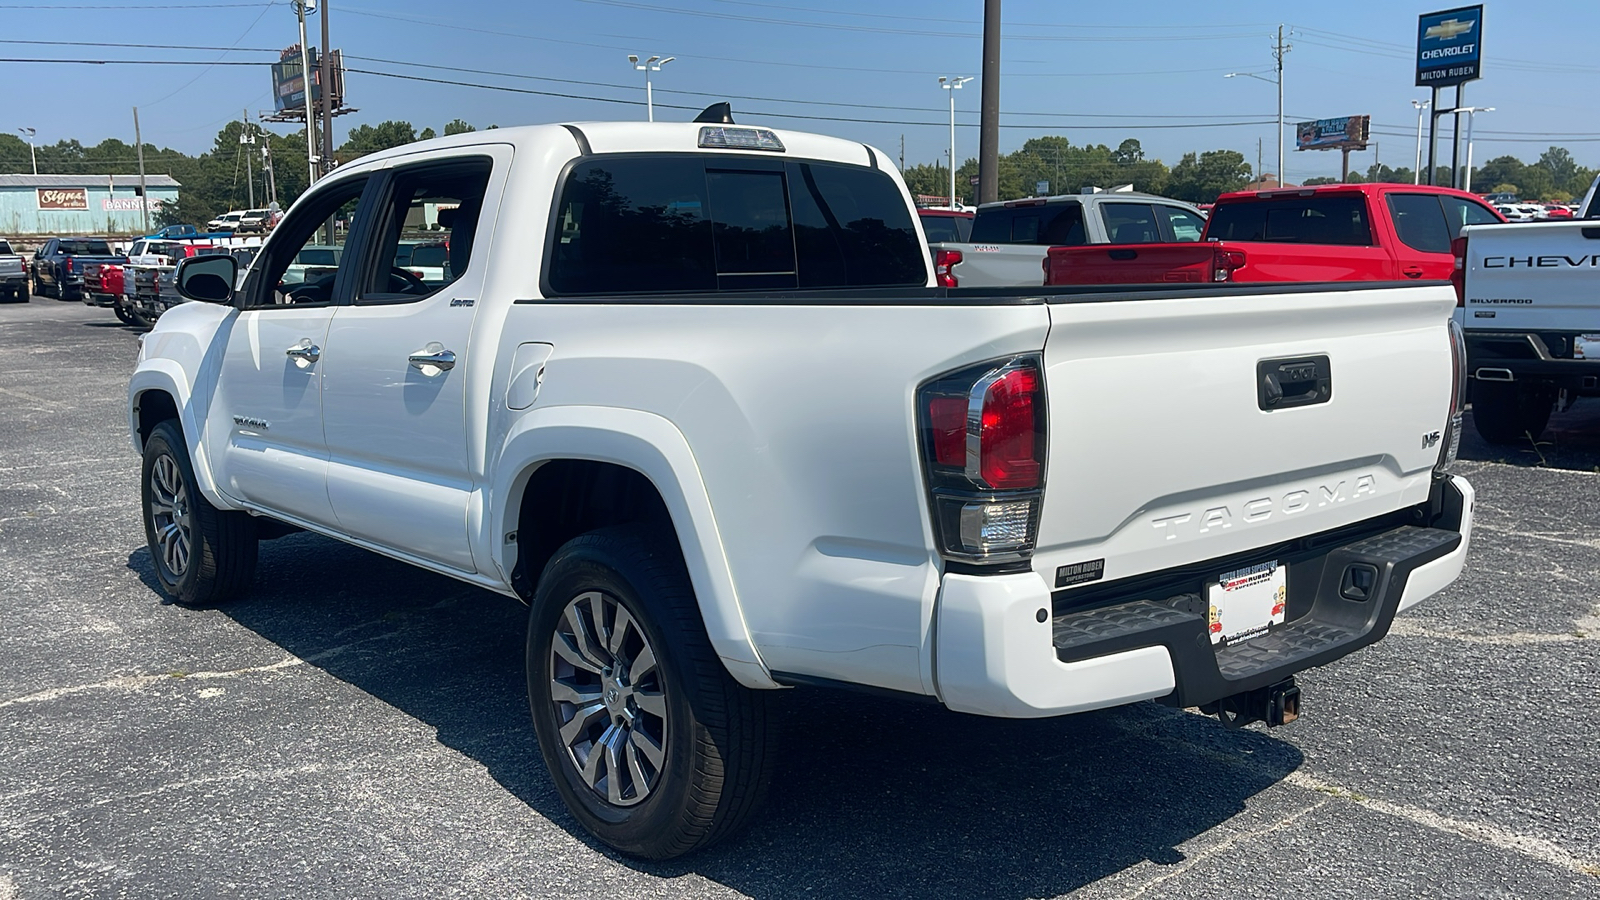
<point>1449,29</point>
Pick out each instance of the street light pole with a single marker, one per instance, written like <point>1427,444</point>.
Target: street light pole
<point>653,64</point>
<point>1471,111</point>
<point>1420,105</point>
<point>301,7</point>
<point>1279,82</point>
<point>30,132</point>
<point>952,84</point>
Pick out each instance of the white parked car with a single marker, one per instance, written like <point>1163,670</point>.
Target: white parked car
<point>690,392</point>
<point>228,221</point>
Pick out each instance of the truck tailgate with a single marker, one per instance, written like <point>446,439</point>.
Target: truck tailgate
<point>1533,276</point>
<point>1131,264</point>
<point>1160,451</point>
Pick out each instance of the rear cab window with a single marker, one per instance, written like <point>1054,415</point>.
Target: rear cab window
<point>1340,219</point>
<point>693,223</point>
<point>1051,224</point>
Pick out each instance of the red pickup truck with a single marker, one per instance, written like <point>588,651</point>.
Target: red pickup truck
<point>1339,232</point>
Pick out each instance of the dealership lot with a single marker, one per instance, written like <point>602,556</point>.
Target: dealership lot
<point>356,727</point>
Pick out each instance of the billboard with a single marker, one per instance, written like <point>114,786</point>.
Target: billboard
<point>288,83</point>
<point>1449,46</point>
<point>63,198</point>
<point>1347,133</point>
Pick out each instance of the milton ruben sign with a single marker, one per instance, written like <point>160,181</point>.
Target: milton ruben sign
<point>1449,46</point>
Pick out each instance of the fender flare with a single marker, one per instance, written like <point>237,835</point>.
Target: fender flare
<point>167,376</point>
<point>655,448</point>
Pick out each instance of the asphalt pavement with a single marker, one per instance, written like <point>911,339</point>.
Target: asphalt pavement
<point>358,728</point>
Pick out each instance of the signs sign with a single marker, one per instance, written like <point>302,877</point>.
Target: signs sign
<point>1347,133</point>
<point>1449,46</point>
<point>63,198</point>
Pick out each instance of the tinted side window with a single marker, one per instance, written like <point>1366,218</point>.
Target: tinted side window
<point>852,228</point>
<point>1130,223</point>
<point>1419,222</point>
<point>635,225</point>
<point>1459,213</point>
<point>946,229</point>
<point>994,226</point>
<point>1064,226</point>
<point>1329,219</point>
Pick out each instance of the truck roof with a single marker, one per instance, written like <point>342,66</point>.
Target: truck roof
<point>637,137</point>
<point>1373,189</point>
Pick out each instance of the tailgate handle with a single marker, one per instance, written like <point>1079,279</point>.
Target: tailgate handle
<point>1287,383</point>
<point>1124,254</point>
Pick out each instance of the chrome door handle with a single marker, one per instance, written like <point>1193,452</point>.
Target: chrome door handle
<point>435,356</point>
<point>304,353</point>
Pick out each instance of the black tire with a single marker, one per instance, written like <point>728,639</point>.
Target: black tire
<point>220,561</point>
<point>1508,412</point>
<point>716,758</point>
<point>122,313</point>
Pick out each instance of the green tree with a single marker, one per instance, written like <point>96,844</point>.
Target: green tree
<point>427,134</point>
<point>1559,163</point>
<point>458,126</point>
<point>372,138</point>
<point>1200,178</point>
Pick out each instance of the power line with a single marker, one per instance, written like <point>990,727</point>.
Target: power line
<point>867,29</point>
<point>841,12</point>
<point>121,45</point>
<point>201,74</point>
<point>123,7</point>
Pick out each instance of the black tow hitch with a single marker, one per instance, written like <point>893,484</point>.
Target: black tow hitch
<point>1277,704</point>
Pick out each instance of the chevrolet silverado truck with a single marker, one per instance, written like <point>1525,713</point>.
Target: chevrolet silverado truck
<point>1530,308</point>
<point>692,393</point>
<point>1009,238</point>
<point>1342,232</point>
<point>58,265</point>
<point>13,274</point>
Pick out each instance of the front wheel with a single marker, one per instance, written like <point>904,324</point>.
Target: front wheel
<point>656,750</point>
<point>203,556</point>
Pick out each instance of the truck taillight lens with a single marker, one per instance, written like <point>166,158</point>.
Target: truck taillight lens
<point>69,265</point>
<point>1225,262</point>
<point>983,441</point>
<point>1458,274</point>
<point>944,264</point>
<point>1458,399</point>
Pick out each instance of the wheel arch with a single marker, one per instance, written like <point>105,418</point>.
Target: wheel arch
<point>607,451</point>
<point>157,392</point>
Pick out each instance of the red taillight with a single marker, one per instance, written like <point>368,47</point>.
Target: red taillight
<point>944,263</point>
<point>1008,458</point>
<point>69,265</point>
<point>948,418</point>
<point>1225,262</point>
<point>1458,275</point>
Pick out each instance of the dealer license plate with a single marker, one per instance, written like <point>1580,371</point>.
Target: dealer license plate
<point>1246,602</point>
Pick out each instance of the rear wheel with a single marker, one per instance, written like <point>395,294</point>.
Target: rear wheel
<point>656,750</point>
<point>121,310</point>
<point>203,556</point>
<point>1507,412</point>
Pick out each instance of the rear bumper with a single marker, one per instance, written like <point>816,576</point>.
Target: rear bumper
<point>1541,358</point>
<point>1002,648</point>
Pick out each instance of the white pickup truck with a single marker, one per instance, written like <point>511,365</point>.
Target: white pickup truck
<point>1529,299</point>
<point>1011,238</point>
<point>691,393</point>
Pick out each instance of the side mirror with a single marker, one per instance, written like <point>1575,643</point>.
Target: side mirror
<point>207,278</point>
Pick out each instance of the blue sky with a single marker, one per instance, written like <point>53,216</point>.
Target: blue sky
<point>1096,72</point>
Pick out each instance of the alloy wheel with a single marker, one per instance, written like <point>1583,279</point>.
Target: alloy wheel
<point>171,515</point>
<point>609,698</point>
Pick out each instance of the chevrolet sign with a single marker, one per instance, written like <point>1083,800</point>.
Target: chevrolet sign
<point>1448,46</point>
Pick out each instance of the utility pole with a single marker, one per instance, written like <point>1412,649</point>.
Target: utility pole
<point>271,185</point>
<point>1278,51</point>
<point>248,140</point>
<point>305,84</point>
<point>144,196</point>
<point>1260,177</point>
<point>989,114</point>
<point>902,155</point>
<point>30,132</point>
<point>326,80</point>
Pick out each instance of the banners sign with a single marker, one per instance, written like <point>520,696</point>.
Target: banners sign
<point>127,204</point>
<point>1449,46</point>
<point>1347,133</point>
<point>63,198</point>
